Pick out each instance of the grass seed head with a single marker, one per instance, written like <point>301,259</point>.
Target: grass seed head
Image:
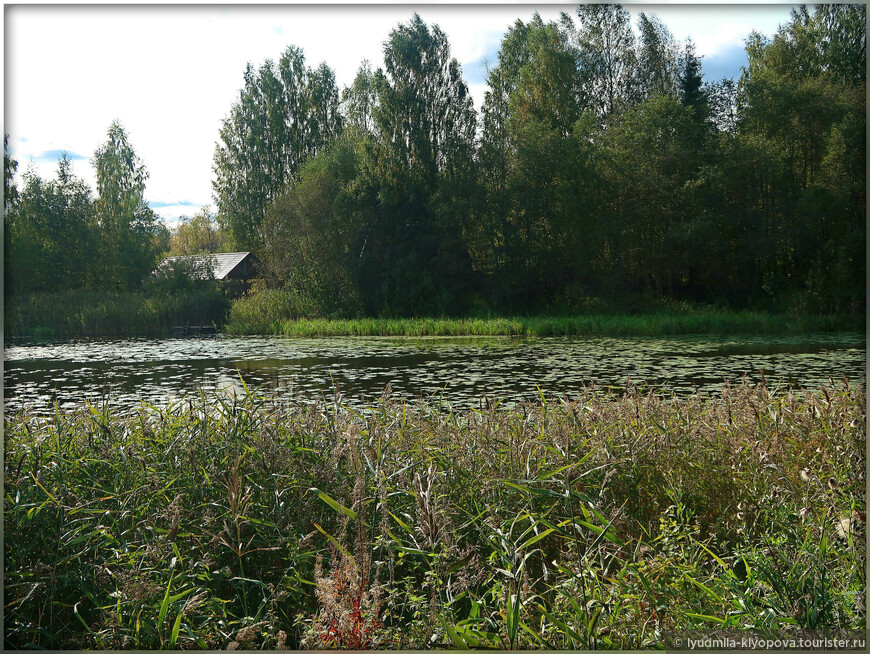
<point>844,527</point>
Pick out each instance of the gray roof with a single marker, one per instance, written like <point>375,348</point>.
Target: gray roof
<point>221,264</point>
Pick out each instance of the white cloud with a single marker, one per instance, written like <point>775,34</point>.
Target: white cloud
<point>727,36</point>
<point>716,29</point>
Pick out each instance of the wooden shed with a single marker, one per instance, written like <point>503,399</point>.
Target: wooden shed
<point>235,269</point>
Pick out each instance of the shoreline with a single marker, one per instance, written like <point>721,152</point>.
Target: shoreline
<point>603,325</point>
<point>91,314</point>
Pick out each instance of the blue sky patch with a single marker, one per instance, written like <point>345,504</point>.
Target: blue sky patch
<point>724,64</point>
<point>182,203</point>
<point>475,72</point>
<point>55,155</point>
<point>713,67</point>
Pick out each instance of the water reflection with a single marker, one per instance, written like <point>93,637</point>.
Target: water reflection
<point>459,370</point>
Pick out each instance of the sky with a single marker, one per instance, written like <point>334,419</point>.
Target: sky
<point>170,74</point>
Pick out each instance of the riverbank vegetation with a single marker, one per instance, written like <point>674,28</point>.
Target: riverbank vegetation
<point>175,299</point>
<point>603,521</point>
<point>94,314</point>
<point>267,313</point>
<point>602,174</point>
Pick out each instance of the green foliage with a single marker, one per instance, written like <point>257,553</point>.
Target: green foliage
<point>607,521</point>
<point>64,249</point>
<point>798,92</point>
<point>651,162</point>
<point>606,168</point>
<point>127,224</point>
<point>156,576</point>
<point>359,100</point>
<point>57,237</point>
<point>277,311</point>
<point>658,70</point>
<point>50,234</point>
<point>72,264</point>
<point>312,237</point>
<point>608,57</point>
<point>153,311</point>
<point>10,191</point>
<point>263,310</point>
<point>285,114</point>
<point>183,274</point>
<point>692,91</point>
<point>374,223</point>
<point>421,160</point>
<point>200,234</point>
<point>535,230</point>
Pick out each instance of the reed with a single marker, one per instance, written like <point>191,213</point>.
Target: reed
<point>270,319</point>
<point>91,314</point>
<point>607,520</point>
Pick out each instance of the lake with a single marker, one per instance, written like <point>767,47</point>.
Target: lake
<point>460,371</point>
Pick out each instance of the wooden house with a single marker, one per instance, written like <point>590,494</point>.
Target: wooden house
<point>234,269</point>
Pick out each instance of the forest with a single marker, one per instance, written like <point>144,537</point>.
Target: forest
<point>602,173</point>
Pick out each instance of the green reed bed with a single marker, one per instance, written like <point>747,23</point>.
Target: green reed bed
<point>653,324</point>
<point>402,327</point>
<point>77,314</point>
<point>601,522</point>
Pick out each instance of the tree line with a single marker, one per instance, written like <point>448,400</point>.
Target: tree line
<point>58,236</point>
<point>602,172</point>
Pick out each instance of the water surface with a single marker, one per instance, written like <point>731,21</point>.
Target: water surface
<point>459,371</point>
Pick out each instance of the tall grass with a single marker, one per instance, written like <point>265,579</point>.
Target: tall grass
<point>246,318</point>
<point>604,521</point>
<point>99,313</point>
